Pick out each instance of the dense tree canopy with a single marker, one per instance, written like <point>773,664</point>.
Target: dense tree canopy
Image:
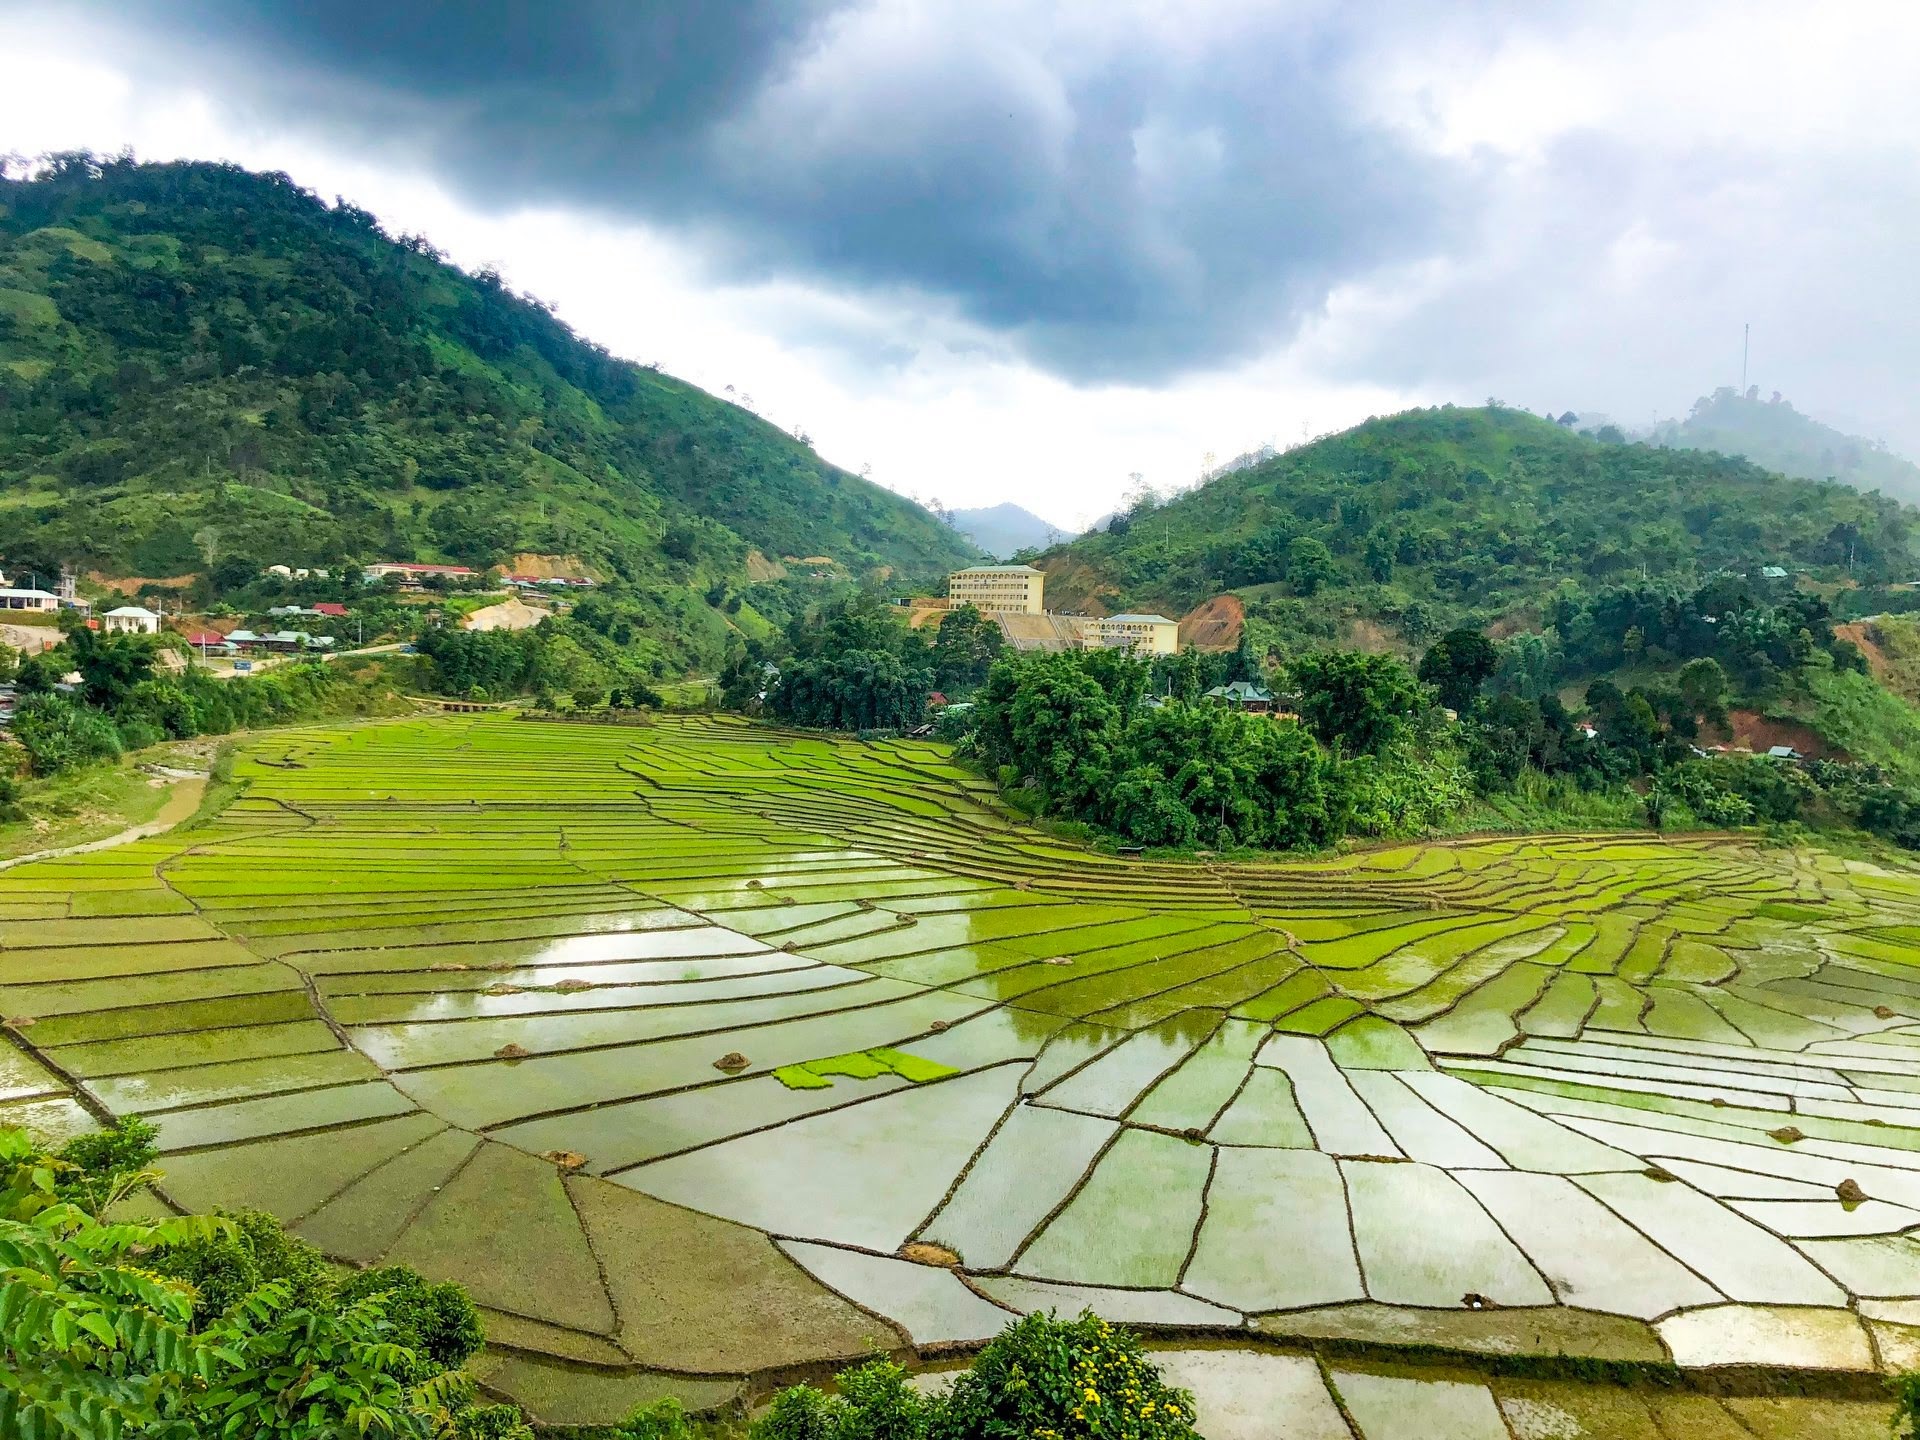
<point>1077,728</point>
<point>964,647</point>
<point>1457,665</point>
<point>1357,702</point>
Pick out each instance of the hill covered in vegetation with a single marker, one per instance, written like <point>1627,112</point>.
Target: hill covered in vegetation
<point>1773,434</point>
<point>205,367</point>
<point>1433,518</point>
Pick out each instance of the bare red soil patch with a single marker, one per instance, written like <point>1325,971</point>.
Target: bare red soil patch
<point>1214,624</point>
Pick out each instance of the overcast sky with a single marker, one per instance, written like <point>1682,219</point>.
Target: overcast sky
<point>1017,251</point>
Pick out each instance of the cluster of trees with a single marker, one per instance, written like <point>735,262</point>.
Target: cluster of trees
<point>1134,747</point>
<point>125,702</point>
<point>852,664</point>
<point>1761,633</point>
<point>210,1325</point>
<point>1649,735</point>
<point>1074,728</point>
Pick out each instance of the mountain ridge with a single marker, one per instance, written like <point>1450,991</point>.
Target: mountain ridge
<point>1469,515</point>
<point>1773,434</point>
<point>200,363</point>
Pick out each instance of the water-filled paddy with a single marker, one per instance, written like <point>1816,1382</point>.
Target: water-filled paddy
<point>531,1006</point>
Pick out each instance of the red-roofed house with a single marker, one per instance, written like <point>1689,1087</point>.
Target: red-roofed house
<point>330,607</point>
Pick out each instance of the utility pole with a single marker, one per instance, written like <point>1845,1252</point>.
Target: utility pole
<point>1746,334</point>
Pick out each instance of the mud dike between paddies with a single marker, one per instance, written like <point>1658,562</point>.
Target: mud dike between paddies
<point>458,993</point>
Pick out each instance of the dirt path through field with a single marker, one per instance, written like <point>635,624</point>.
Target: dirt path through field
<point>188,788</point>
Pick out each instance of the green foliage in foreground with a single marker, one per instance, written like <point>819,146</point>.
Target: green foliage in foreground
<point>1906,1405</point>
<point>1042,1379</point>
<point>202,1326</point>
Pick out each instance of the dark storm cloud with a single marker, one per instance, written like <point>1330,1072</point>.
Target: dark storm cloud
<point>1122,192</point>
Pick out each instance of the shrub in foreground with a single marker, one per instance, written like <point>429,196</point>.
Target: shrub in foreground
<point>1042,1379</point>
<point>200,1326</point>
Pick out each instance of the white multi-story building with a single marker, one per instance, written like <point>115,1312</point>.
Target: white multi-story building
<point>997,589</point>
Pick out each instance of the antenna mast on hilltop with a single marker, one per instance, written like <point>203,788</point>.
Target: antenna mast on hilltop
<point>1746,333</point>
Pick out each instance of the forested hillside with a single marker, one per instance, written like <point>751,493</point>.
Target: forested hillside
<point>1437,517</point>
<point>1774,434</point>
<point>200,366</point>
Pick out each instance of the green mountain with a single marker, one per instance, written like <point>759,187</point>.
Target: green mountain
<point>1437,517</point>
<point>201,367</point>
<point>1773,434</point>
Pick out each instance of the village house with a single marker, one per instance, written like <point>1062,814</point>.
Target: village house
<point>131,620</point>
<point>1254,699</point>
<point>15,599</point>
<point>278,642</point>
<point>208,642</point>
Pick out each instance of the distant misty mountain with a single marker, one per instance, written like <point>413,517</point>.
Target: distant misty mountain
<point>1775,436</point>
<point>1002,530</point>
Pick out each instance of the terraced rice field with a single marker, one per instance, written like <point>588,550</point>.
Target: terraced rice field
<point>669,1041</point>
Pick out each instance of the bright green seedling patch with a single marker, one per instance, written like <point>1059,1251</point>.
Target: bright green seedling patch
<point>861,1065</point>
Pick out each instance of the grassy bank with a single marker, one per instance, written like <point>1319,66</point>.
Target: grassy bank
<point>101,800</point>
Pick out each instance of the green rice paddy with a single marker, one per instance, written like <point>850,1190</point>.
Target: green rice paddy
<point>685,1046</point>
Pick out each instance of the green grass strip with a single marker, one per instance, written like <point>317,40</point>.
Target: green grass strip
<point>861,1065</point>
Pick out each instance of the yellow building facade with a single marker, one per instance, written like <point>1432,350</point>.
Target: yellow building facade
<point>1142,634</point>
<point>998,589</point>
